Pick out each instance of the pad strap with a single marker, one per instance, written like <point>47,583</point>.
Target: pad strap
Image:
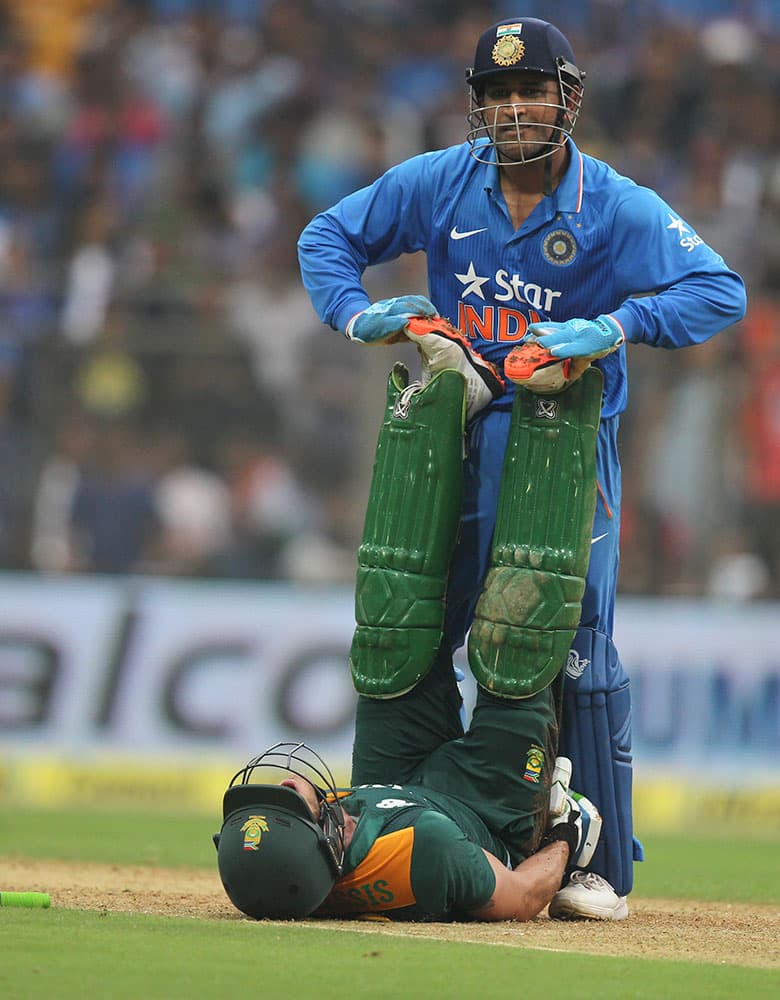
<point>530,605</point>
<point>412,518</point>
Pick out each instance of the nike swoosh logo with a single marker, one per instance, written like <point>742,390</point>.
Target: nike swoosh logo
<point>598,538</point>
<point>455,235</point>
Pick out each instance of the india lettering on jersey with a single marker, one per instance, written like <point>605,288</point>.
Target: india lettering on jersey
<point>382,880</point>
<point>495,324</point>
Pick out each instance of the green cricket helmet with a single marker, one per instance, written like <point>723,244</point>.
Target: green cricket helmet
<point>275,859</point>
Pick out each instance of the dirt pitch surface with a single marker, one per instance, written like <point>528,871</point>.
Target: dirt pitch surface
<point>719,933</point>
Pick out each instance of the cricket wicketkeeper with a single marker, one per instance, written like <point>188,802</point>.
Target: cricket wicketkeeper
<point>530,243</point>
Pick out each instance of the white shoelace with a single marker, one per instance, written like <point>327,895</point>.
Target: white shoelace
<point>590,880</point>
<point>401,408</point>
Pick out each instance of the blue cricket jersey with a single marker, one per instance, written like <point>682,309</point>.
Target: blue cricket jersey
<point>599,244</point>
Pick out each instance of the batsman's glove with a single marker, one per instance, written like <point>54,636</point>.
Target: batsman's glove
<point>559,787</point>
<point>579,826</point>
<point>442,346</point>
<point>384,322</point>
<point>571,817</point>
<point>578,338</point>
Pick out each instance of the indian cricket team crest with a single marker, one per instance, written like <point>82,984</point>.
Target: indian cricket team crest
<point>534,762</point>
<point>253,831</point>
<point>509,48</point>
<point>559,247</point>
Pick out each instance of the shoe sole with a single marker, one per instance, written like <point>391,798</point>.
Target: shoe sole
<point>564,911</point>
<point>524,361</point>
<point>419,326</point>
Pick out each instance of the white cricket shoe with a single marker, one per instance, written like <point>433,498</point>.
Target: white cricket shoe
<point>442,346</point>
<point>588,896</point>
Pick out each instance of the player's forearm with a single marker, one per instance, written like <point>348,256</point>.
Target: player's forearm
<point>523,893</point>
<point>689,312</point>
<point>331,272</point>
<point>378,223</point>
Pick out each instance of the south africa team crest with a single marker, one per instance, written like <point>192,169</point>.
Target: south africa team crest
<point>534,762</point>
<point>559,247</point>
<point>253,831</point>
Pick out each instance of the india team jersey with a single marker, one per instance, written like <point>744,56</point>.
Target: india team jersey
<point>415,855</point>
<point>598,244</point>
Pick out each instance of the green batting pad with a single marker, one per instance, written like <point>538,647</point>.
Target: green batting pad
<point>411,525</point>
<point>530,605</point>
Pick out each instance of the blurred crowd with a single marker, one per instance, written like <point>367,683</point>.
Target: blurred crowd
<point>169,402</point>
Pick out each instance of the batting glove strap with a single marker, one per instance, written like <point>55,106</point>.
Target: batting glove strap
<point>567,831</point>
<point>387,318</point>
<point>579,338</point>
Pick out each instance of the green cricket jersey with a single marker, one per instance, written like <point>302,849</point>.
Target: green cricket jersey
<point>415,855</point>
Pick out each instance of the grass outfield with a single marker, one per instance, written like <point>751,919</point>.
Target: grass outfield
<point>62,953</point>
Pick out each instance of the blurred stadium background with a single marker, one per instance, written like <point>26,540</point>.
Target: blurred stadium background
<point>185,450</point>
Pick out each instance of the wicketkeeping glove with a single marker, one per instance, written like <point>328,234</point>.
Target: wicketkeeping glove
<point>386,319</point>
<point>578,338</point>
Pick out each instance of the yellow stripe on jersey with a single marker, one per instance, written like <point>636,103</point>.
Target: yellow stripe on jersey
<point>382,880</point>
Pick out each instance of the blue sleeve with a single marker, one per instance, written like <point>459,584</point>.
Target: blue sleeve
<point>376,224</point>
<point>677,290</point>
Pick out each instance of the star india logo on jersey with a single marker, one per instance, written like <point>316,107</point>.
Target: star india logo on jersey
<point>511,288</point>
<point>688,238</point>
